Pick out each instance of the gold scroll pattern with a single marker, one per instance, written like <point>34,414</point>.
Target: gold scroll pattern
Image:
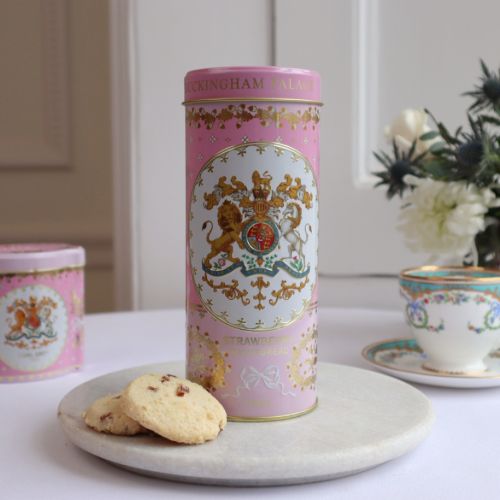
<point>231,291</point>
<point>286,291</point>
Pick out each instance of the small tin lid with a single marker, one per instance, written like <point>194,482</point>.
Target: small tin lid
<point>32,257</point>
<point>252,83</point>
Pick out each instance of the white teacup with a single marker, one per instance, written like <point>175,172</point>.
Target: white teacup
<point>454,313</point>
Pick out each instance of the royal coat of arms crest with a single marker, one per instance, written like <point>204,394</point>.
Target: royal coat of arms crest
<point>32,322</point>
<point>35,327</point>
<point>253,235</point>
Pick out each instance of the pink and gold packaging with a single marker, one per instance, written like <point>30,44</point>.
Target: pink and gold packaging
<point>252,148</point>
<point>41,310</point>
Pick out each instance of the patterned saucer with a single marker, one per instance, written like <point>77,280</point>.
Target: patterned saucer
<point>403,358</point>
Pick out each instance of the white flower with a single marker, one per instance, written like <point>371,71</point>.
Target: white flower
<point>409,126</point>
<point>444,217</point>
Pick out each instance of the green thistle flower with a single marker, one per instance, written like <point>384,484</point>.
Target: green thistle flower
<point>473,156</point>
<point>487,94</point>
<point>397,167</point>
<point>470,154</point>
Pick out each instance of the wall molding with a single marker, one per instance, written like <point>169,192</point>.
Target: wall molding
<point>125,153</point>
<point>56,78</point>
<point>365,29</point>
<point>51,147</point>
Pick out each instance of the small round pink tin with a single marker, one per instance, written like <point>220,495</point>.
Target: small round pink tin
<point>41,310</point>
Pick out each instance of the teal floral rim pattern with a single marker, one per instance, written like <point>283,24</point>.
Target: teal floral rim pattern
<point>418,316</point>
<point>451,274</point>
<point>392,349</point>
<point>402,356</point>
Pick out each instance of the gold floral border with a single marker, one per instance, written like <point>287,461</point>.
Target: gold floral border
<point>243,113</point>
<point>35,273</point>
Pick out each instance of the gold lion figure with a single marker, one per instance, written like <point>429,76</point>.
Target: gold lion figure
<point>229,219</point>
<point>261,181</point>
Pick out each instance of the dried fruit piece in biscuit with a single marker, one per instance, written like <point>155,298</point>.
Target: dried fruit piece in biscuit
<point>106,415</point>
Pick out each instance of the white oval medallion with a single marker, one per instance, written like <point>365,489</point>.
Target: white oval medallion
<point>254,234</point>
<point>33,327</point>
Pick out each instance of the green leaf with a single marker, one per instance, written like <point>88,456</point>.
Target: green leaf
<point>490,119</point>
<point>383,175</point>
<point>485,69</point>
<point>437,147</point>
<point>445,134</point>
<point>395,148</point>
<point>381,159</point>
<point>429,135</point>
<point>388,159</point>
<point>437,169</point>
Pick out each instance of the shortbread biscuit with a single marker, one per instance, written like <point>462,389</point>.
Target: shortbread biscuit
<point>174,408</point>
<point>106,415</point>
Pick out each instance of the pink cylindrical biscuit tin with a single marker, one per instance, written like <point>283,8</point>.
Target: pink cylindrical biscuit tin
<point>41,310</point>
<point>252,148</point>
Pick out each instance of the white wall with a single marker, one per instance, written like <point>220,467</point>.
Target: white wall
<point>170,39</point>
<point>375,56</point>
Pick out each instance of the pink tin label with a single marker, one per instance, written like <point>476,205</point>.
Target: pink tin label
<point>257,82</point>
<point>41,324</point>
<point>252,174</point>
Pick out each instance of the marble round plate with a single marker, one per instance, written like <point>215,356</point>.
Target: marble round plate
<point>363,419</point>
<point>403,358</point>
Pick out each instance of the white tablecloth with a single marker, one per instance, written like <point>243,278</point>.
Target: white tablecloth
<point>459,460</point>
